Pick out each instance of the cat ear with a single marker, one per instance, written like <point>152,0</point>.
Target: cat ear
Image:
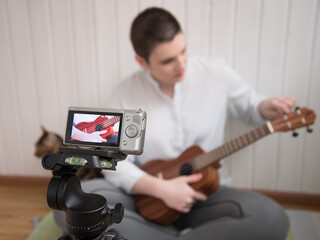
<point>51,140</point>
<point>43,129</point>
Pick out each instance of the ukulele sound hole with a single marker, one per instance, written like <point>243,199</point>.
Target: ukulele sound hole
<point>186,169</point>
<point>98,127</point>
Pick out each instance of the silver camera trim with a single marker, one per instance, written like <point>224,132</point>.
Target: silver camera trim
<point>133,128</point>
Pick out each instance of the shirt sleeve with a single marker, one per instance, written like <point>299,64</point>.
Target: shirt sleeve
<point>127,172</point>
<point>126,175</point>
<point>243,100</point>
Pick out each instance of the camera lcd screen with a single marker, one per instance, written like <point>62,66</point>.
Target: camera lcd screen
<point>97,129</point>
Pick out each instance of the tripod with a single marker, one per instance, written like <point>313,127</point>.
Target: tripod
<point>87,214</point>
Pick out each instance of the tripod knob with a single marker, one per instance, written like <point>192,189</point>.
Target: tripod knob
<point>117,213</point>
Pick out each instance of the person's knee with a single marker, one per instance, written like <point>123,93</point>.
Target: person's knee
<point>271,218</point>
<point>261,215</point>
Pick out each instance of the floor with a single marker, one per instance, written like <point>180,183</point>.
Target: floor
<point>305,224</point>
<point>19,206</point>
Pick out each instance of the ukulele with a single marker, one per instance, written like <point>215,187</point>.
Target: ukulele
<point>101,123</point>
<point>195,160</point>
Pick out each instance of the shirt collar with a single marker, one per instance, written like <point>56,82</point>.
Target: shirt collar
<point>154,83</point>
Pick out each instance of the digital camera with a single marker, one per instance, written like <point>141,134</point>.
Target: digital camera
<point>117,130</point>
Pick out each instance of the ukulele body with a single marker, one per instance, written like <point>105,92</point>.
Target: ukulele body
<point>96,125</point>
<point>154,209</point>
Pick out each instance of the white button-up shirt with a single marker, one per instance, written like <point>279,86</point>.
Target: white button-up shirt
<point>195,116</point>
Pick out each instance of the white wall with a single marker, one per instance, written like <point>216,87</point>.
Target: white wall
<point>58,53</point>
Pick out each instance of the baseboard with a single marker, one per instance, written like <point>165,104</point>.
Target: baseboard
<point>290,200</point>
<point>23,181</point>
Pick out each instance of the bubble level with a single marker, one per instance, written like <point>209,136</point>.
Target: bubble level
<point>76,161</point>
<point>106,164</point>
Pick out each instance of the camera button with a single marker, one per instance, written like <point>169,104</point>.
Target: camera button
<point>124,142</point>
<point>131,131</point>
<point>127,118</point>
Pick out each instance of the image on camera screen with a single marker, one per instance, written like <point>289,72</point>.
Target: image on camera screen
<point>93,129</point>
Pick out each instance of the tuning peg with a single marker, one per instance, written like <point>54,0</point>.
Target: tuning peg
<point>295,134</point>
<point>309,130</point>
<point>297,110</point>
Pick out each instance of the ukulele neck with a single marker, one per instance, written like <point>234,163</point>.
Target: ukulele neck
<point>207,159</point>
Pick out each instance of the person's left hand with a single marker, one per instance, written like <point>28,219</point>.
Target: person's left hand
<point>273,107</point>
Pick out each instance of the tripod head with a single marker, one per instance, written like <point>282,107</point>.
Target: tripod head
<point>87,214</point>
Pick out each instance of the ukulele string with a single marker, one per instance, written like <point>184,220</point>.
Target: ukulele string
<point>204,160</point>
<point>105,123</point>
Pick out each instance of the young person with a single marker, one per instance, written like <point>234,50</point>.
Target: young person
<point>187,101</point>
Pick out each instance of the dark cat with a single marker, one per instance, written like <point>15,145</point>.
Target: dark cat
<point>50,142</point>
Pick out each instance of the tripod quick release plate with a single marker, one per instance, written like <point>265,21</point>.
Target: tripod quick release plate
<point>76,158</point>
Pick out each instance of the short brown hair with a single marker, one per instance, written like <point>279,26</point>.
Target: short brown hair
<point>151,27</point>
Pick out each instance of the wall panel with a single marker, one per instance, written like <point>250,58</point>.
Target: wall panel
<point>198,27</point>
<point>107,48</point>
<point>85,58</point>
<point>310,162</point>
<point>178,8</point>
<point>41,44</point>
<point>246,53</point>
<point>298,59</point>
<point>222,29</point>
<point>126,11</point>
<point>143,4</point>
<point>3,160</point>
<point>24,70</point>
<point>63,60</point>
<point>8,105</point>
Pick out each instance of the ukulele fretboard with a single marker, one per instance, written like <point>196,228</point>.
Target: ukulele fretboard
<point>230,147</point>
<point>103,125</point>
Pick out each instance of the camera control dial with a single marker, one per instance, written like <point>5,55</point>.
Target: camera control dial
<point>132,131</point>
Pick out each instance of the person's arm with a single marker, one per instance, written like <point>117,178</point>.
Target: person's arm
<point>176,193</point>
<point>250,106</point>
<point>273,107</point>
<point>88,137</point>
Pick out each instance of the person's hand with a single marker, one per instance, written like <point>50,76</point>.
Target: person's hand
<point>273,107</point>
<point>179,195</point>
<point>95,137</point>
<point>88,137</point>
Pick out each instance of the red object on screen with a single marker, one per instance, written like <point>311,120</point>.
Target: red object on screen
<point>101,123</point>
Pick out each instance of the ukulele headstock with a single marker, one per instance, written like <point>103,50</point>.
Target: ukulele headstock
<point>301,117</point>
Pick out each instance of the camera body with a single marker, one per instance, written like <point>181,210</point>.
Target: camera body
<point>116,130</point>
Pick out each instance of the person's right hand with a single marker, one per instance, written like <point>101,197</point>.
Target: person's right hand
<point>179,195</point>
<point>89,137</point>
<point>95,137</point>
